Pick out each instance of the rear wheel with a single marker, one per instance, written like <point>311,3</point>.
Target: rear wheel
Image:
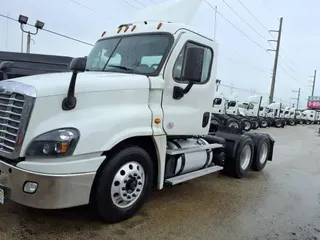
<point>232,123</point>
<point>215,120</point>
<point>123,184</point>
<point>291,122</point>
<point>247,125</point>
<point>264,123</point>
<point>239,166</point>
<point>261,152</point>
<point>278,124</point>
<point>255,124</point>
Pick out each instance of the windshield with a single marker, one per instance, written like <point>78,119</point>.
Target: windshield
<point>286,112</point>
<point>141,54</point>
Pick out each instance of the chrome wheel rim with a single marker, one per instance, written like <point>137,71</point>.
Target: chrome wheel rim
<point>245,157</point>
<point>127,184</point>
<point>247,125</point>
<point>263,153</point>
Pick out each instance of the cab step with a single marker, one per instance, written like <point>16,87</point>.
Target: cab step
<point>188,176</point>
<point>193,149</point>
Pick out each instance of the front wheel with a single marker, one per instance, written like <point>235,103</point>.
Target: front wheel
<point>123,184</point>
<point>264,123</point>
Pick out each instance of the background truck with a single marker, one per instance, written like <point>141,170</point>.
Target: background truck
<point>273,113</point>
<point>252,108</point>
<point>33,64</point>
<point>220,114</point>
<point>309,116</point>
<point>135,114</point>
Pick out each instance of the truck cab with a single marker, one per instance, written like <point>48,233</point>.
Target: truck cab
<point>133,115</point>
<point>309,116</point>
<point>273,112</point>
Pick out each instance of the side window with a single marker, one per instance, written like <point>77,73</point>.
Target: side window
<point>206,67</point>
<point>217,101</point>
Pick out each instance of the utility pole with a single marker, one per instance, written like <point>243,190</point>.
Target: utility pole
<point>298,98</point>
<point>28,42</point>
<point>314,82</point>
<point>275,66</point>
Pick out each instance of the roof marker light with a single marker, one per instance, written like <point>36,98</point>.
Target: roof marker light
<point>159,26</point>
<point>119,29</point>
<point>103,33</point>
<point>126,29</point>
<point>133,28</point>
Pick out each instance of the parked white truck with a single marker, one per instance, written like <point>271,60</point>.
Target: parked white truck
<point>132,115</point>
<point>309,116</point>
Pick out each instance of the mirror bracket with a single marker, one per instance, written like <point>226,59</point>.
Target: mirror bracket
<point>179,92</point>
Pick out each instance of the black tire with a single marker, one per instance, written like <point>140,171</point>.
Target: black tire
<point>233,166</point>
<point>278,123</point>
<point>261,143</point>
<point>247,125</point>
<point>291,122</point>
<point>101,197</point>
<point>233,123</point>
<point>215,120</point>
<point>255,124</point>
<point>308,122</point>
<point>264,123</point>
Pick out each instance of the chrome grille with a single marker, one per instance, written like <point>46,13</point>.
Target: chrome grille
<point>11,106</point>
<point>16,102</point>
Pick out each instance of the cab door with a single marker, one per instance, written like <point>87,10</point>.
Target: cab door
<point>191,113</point>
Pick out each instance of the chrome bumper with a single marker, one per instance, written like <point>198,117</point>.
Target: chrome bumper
<point>53,192</point>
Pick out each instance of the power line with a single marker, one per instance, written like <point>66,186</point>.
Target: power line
<point>248,10</point>
<point>243,33</point>
<point>52,32</point>
<point>91,9</point>
<point>137,1</point>
<point>253,15</point>
<point>243,20</point>
<point>250,65</point>
<point>131,4</point>
<point>287,71</point>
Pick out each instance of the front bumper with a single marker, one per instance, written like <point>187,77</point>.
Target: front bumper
<point>54,190</point>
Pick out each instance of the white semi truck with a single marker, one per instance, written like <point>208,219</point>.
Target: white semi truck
<point>133,115</point>
<point>309,116</point>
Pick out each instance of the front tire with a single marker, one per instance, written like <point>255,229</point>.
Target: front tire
<point>123,184</point>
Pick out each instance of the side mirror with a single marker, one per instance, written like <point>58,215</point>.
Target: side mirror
<point>194,65</point>
<point>5,67</point>
<point>78,65</point>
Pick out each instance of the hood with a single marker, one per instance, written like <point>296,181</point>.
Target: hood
<point>58,83</point>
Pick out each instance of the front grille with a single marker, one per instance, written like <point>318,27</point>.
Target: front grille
<point>11,107</point>
<point>16,102</point>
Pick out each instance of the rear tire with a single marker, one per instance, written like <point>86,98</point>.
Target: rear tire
<point>261,152</point>
<point>232,123</point>
<point>264,123</point>
<point>215,120</point>
<point>247,125</point>
<point>239,166</point>
<point>255,124</point>
<point>278,124</point>
<point>123,184</point>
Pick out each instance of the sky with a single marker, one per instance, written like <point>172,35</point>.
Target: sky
<point>242,64</point>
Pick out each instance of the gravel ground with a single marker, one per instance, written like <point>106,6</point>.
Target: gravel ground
<point>282,202</point>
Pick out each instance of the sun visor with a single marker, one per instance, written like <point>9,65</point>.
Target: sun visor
<point>181,11</point>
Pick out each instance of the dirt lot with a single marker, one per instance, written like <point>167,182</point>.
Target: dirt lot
<point>282,202</point>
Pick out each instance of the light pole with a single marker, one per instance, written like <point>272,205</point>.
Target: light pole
<point>23,20</point>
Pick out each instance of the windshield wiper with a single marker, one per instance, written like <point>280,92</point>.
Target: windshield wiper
<point>121,67</point>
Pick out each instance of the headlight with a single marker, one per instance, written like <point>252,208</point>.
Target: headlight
<point>56,143</point>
